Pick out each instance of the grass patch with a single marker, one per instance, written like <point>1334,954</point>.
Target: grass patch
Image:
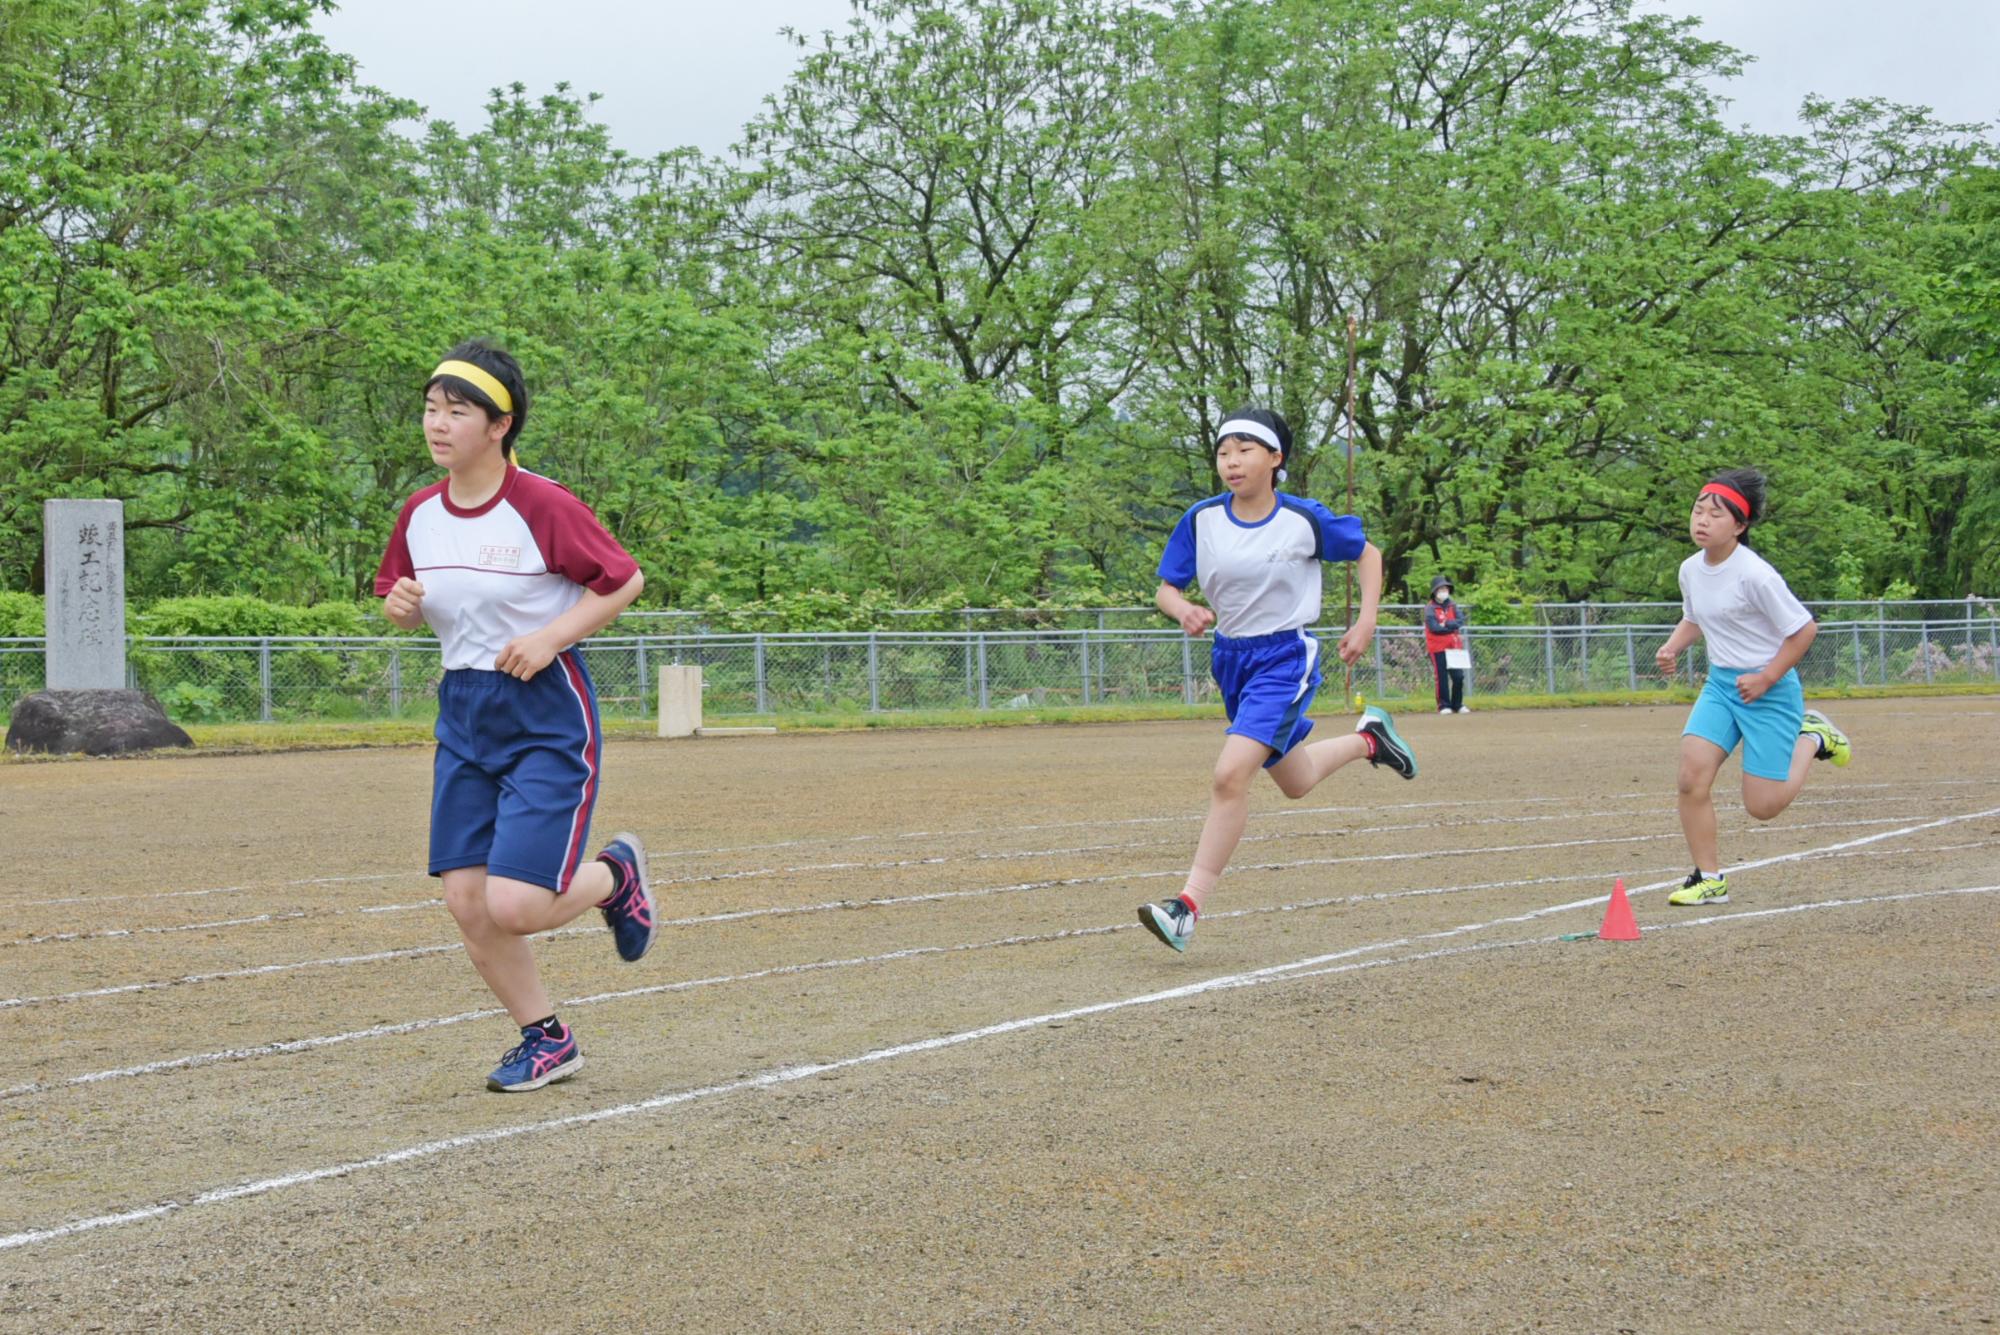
<point>257,738</point>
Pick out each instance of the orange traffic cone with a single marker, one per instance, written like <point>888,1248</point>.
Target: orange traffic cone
<point>1619,924</point>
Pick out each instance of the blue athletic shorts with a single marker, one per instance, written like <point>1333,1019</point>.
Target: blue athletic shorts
<point>1268,683</point>
<point>1768,727</point>
<point>516,772</point>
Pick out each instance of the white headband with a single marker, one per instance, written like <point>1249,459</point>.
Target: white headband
<point>1243,426</point>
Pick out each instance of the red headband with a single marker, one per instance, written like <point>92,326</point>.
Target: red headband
<point>1730,494</point>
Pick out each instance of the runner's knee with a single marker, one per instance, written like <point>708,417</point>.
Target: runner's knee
<point>1762,806</point>
<point>517,907</point>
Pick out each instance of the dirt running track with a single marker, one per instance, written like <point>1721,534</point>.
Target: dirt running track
<point>245,1056</point>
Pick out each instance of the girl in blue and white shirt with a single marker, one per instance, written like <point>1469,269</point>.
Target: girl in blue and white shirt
<point>1257,554</point>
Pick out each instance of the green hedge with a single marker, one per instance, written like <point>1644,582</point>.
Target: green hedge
<point>21,615</point>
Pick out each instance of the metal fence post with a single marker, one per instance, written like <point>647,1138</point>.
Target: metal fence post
<point>264,679</point>
<point>1881,643</point>
<point>1993,634</point>
<point>1097,670</point>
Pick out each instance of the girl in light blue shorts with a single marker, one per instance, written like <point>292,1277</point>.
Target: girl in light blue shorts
<point>1755,632</point>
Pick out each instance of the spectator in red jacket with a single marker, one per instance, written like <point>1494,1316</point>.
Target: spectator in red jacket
<point>1444,630</point>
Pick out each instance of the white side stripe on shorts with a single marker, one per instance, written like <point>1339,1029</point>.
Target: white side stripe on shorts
<point>1312,661</point>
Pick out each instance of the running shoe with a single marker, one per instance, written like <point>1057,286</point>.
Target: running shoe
<point>629,913</point>
<point>1390,748</point>
<point>1699,889</point>
<point>1833,744</point>
<point>1172,921</point>
<point>536,1060</point>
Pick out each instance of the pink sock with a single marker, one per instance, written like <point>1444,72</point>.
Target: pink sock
<point>1199,883</point>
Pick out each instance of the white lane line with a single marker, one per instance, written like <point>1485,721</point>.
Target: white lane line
<point>1004,855</point>
<point>438,1022</point>
<point>216,890</point>
<point>1638,794</point>
<point>113,932</point>
<point>936,896</point>
<point>1311,967</point>
<point>939,896</point>
<point>1751,865</point>
<point>338,961</point>
<point>412,1026</point>
<point>433,902</point>
<point>1284,813</point>
<point>884,836</point>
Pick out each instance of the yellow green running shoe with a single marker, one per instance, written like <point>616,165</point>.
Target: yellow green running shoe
<point>1699,889</point>
<point>1833,744</point>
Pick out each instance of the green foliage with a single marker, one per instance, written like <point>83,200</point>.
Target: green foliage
<point>238,615</point>
<point>1496,601</point>
<point>21,615</point>
<point>186,702</point>
<point>957,325</point>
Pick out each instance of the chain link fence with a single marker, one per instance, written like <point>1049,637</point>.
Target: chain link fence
<point>911,619</point>
<point>231,679</point>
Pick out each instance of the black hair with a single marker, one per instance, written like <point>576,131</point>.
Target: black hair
<point>1263,417</point>
<point>1749,484</point>
<point>498,363</point>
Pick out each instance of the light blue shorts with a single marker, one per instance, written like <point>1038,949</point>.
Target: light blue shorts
<point>1768,727</point>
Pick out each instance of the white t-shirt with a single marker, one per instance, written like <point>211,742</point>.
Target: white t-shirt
<point>504,569</point>
<point>1264,577</point>
<point>1743,606</point>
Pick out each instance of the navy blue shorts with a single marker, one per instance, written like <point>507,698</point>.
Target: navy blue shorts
<point>1268,683</point>
<point>516,772</point>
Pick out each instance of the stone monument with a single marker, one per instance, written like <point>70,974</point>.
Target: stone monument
<point>83,551</point>
<point>87,706</point>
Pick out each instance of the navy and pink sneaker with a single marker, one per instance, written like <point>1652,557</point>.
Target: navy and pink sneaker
<point>536,1061</point>
<point>629,912</point>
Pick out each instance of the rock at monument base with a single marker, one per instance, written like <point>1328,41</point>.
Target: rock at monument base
<point>97,723</point>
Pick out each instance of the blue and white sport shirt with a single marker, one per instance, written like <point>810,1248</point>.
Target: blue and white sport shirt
<point>1264,577</point>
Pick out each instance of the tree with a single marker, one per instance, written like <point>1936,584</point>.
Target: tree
<point>158,163</point>
<point>1578,289</point>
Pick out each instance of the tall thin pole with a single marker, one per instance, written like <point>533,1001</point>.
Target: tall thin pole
<point>1350,492</point>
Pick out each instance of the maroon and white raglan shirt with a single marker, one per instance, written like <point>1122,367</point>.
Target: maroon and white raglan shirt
<point>503,569</point>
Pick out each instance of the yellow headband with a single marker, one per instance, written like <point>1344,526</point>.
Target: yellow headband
<point>485,380</point>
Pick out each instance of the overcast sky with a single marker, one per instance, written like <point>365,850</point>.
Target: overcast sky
<point>674,73</point>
